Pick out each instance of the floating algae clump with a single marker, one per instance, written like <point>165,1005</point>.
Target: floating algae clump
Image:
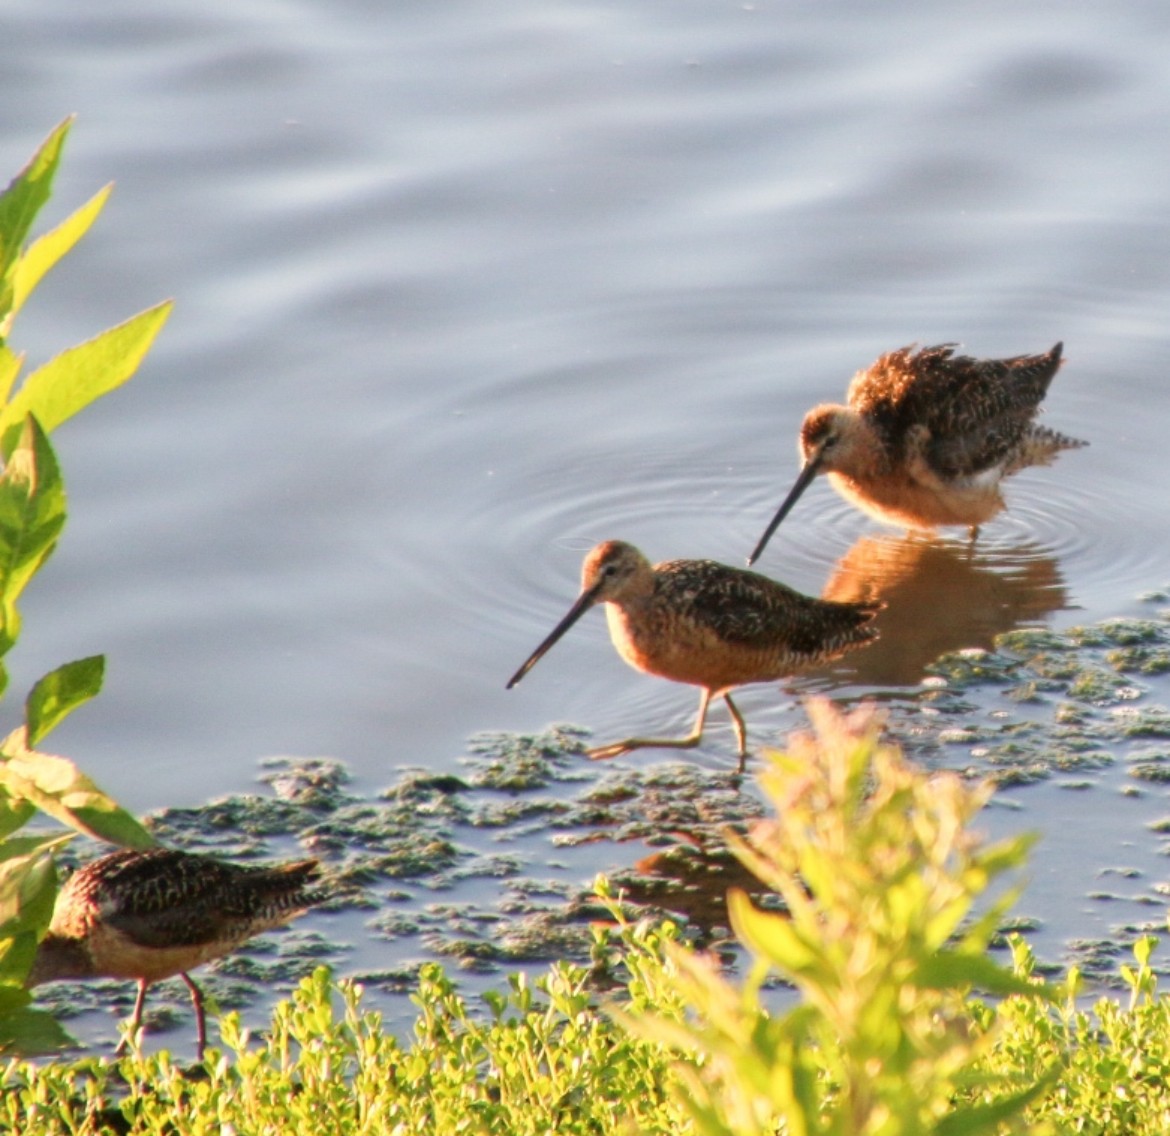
<point>1151,764</point>
<point>1142,658</point>
<point>314,783</point>
<point>1031,640</point>
<point>1098,686</point>
<point>1142,722</point>
<point>1062,701</point>
<point>519,762</point>
<point>973,666</point>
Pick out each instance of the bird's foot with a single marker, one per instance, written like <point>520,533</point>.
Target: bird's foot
<point>616,749</point>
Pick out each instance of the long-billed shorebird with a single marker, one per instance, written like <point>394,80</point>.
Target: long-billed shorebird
<point>706,624</point>
<point>151,915</point>
<point>927,436</point>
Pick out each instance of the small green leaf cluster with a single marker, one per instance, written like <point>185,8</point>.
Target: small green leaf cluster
<point>1114,1059</point>
<point>541,1061</point>
<point>32,516</point>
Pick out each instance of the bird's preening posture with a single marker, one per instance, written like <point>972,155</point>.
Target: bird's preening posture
<point>151,915</point>
<point>707,624</point>
<point>927,436</point>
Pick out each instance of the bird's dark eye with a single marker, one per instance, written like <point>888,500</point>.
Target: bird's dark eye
<point>609,570</point>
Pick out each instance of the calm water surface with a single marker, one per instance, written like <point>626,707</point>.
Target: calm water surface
<point>464,289</point>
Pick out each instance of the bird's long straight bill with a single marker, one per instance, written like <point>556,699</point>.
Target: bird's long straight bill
<point>583,603</point>
<point>802,483</point>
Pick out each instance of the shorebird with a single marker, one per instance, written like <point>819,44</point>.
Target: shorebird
<point>707,624</point>
<point>151,915</point>
<point>927,436</point>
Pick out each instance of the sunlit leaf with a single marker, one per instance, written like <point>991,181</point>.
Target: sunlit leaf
<point>768,935</point>
<point>28,892</point>
<point>10,364</point>
<point>16,847</point>
<point>57,787</point>
<point>1143,948</point>
<point>1005,854</point>
<point>60,692</point>
<point>82,374</point>
<point>49,248</point>
<point>19,205</point>
<point>32,513</point>
<point>28,883</point>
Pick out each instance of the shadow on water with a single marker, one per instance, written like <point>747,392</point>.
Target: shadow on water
<point>941,596</point>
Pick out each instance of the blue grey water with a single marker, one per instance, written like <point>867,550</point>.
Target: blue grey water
<point>464,288</point>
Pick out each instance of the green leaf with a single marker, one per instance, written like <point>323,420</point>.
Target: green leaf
<point>769,936</point>
<point>28,885</point>
<point>24,846</point>
<point>28,892</point>
<point>1006,854</point>
<point>32,512</point>
<point>82,374</point>
<point>951,970</point>
<point>46,250</point>
<point>29,1033</point>
<point>17,953</point>
<point>1144,948</point>
<point>10,364</point>
<point>57,787</point>
<point>60,692</point>
<point>19,205</point>
<point>13,814</point>
<point>970,1120</point>
<point>13,998</point>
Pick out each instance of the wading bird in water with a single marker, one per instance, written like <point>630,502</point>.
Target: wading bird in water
<point>154,914</point>
<point>927,436</point>
<point>706,624</point>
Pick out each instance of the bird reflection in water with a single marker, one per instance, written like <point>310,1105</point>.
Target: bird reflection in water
<point>941,596</point>
<point>690,878</point>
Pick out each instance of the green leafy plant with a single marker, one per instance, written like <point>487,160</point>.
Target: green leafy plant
<point>32,515</point>
<point>879,872</point>
<point>543,1060</point>
<point>1114,1059</point>
<point>540,1061</point>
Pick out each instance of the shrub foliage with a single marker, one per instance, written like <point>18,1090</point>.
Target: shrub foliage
<point>32,515</point>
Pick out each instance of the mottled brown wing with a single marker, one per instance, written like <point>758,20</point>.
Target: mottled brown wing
<point>159,898</point>
<point>169,898</point>
<point>751,610</point>
<point>977,411</point>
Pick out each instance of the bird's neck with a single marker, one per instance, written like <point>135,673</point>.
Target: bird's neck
<point>58,957</point>
<point>635,595</point>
